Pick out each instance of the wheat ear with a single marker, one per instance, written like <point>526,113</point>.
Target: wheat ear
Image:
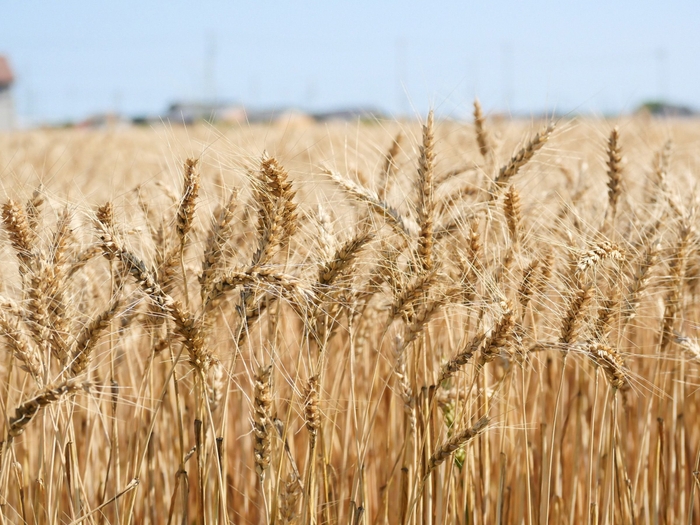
<point>676,275</point>
<point>312,415</point>
<point>29,409</point>
<point>21,235</point>
<point>325,236</point>
<point>611,363</point>
<point>220,232</point>
<point>289,500</point>
<point>606,315</point>
<point>457,441</point>
<point>369,197</point>
<point>389,169</point>
<point>528,284</point>
<point>262,404</point>
<point>90,335</point>
<point>184,217</point>
<point>404,385</point>
<point>277,218</point>
<point>482,136</point>
<point>520,159</point>
<point>61,237</point>
<point>462,357</point>
<point>640,280</point>
<point>513,213</point>
<point>33,208</point>
<point>420,320</point>
<point>600,252</point>
<point>500,337</point>
<point>264,277</point>
<point>343,259</point>
<point>426,205</point>
<point>407,296</point>
<point>21,346</point>
<point>572,323</point>
<point>216,384</point>
<point>614,164</point>
<point>186,326</point>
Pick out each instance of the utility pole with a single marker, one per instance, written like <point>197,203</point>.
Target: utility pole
<point>400,61</point>
<point>507,80</point>
<point>310,93</point>
<point>661,56</point>
<point>210,69</point>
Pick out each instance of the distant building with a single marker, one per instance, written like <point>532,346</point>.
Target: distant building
<point>7,105</point>
<point>283,116</point>
<point>104,121</point>
<point>350,115</point>
<point>191,112</point>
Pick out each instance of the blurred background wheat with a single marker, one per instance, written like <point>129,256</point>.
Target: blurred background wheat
<point>491,322</point>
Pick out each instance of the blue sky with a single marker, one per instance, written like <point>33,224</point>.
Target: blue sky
<point>73,58</point>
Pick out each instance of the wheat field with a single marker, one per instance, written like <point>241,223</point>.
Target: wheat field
<point>377,323</point>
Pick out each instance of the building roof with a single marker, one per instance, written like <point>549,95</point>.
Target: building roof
<point>6,77</point>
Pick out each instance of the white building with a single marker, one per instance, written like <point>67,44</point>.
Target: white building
<point>7,105</point>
